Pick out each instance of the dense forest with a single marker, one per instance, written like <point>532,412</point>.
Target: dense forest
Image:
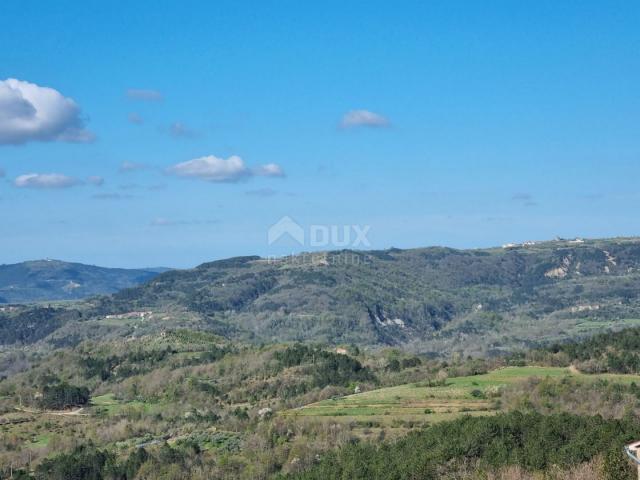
<point>531,441</point>
<point>614,352</point>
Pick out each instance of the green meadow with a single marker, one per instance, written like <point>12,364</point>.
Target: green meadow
<point>472,395</point>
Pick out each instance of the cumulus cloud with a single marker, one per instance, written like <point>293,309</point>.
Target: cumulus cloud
<point>135,118</point>
<point>29,112</point>
<point>95,180</point>
<point>363,118</point>
<point>144,94</point>
<point>269,170</point>
<point>214,169</point>
<point>45,180</point>
<point>126,167</point>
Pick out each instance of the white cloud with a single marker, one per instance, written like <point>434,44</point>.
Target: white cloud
<point>29,112</point>
<point>95,180</point>
<point>270,170</point>
<point>143,94</point>
<point>45,180</point>
<point>126,167</point>
<point>363,118</point>
<point>213,169</point>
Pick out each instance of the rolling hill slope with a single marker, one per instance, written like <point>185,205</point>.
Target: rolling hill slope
<point>427,300</point>
<point>47,280</point>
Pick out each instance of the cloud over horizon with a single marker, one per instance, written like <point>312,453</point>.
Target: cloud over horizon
<point>363,118</point>
<point>269,170</point>
<point>45,180</point>
<point>213,169</point>
<point>29,112</point>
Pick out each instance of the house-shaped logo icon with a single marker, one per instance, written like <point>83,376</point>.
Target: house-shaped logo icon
<point>286,226</point>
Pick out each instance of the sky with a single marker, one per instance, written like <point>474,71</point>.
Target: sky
<point>156,133</point>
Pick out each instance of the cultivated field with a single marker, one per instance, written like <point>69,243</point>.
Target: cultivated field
<point>433,402</point>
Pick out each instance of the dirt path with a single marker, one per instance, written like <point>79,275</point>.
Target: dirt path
<point>62,413</point>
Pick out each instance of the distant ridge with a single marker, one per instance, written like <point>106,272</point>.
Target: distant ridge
<point>53,280</point>
<point>432,300</point>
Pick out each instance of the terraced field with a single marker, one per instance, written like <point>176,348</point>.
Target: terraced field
<point>421,402</point>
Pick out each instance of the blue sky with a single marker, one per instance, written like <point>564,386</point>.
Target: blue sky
<point>453,123</point>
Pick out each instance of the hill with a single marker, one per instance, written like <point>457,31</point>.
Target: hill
<point>48,280</point>
<point>191,405</point>
<point>429,300</point>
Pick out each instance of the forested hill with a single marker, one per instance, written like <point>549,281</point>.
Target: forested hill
<point>431,298</point>
<point>47,280</point>
<point>612,352</point>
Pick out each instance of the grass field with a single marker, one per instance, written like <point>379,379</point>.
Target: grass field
<point>419,402</point>
<point>41,440</point>
<point>589,326</point>
<point>112,406</point>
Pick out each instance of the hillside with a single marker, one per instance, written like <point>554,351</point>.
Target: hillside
<point>428,300</point>
<point>190,405</point>
<point>48,280</point>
